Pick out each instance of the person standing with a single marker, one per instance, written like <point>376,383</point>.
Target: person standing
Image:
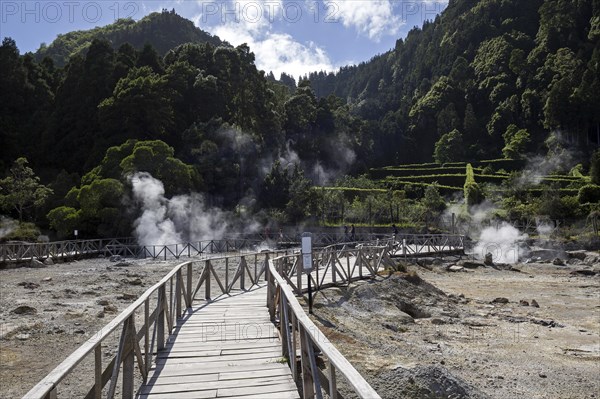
<point>352,233</point>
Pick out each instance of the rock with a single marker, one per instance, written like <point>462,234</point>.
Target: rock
<point>574,262</point>
<point>24,309</point>
<point>558,262</point>
<point>523,302</point>
<point>136,281</point>
<point>583,273</point>
<point>542,375</point>
<point>123,264</point>
<point>500,300</point>
<point>23,337</point>
<point>534,303</point>
<point>469,264</point>
<point>48,262</point>
<point>110,309</point>
<point>456,268</point>
<point>79,331</point>
<point>100,314</point>
<point>29,285</point>
<point>580,255</point>
<point>591,259</point>
<point>438,322</point>
<point>489,259</point>
<point>36,264</point>
<point>127,297</point>
<point>115,258</point>
<point>46,279</point>
<point>102,302</point>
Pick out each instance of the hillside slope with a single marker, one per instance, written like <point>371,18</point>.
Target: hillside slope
<point>499,74</point>
<point>164,31</point>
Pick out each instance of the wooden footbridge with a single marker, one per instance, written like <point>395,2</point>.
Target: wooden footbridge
<point>225,327</point>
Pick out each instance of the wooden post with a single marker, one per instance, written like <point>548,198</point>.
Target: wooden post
<point>171,305</point>
<point>147,351</point>
<point>128,362</point>
<point>98,371</point>
<point>178,280</point>
<point>307,377</point>
<point>207,282</point>
<point>160,319</point>
<point>189,283</point>
<point>332,382</point>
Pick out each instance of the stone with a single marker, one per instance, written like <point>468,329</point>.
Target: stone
<point>580,255</point>
<point>591,259</point>
<point>48,262</point>
<point>100,314</point>
<point>456,268</point>
<point>542,375</point>
<point>500,300</point>
<point>127,297</point>
<point>29,285</point>
<point>24,310</point>
<point>36,264</point>
<point>469,264</point>
<point>102,302</point>
<point>523,302</point>
<point>590,273</point>
<point>79,331</point>
<point>438,322</point>
<point>46,279</point>
<point>23,337</point>
<point>136,281</point>
<point>534,303</point>
<point>123,264</point>
<point>489,259</point>
<point>115,258</point>
<point>558,262</point>
<point>110,309</point>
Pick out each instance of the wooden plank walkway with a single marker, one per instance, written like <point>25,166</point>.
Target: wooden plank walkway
<point>225,348</point>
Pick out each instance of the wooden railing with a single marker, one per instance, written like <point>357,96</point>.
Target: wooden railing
<point>422,244</point>
<point>334,265</point>
<point>156,311</point>
<point>299,333</point>
<point>15,252</point>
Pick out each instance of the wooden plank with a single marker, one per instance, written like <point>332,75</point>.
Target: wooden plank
<point>218,367</point>
<point>205,359</point>
<point>274,395</point>
<point>258,390</point>
<point>182,395</point>
<point>220,384</point>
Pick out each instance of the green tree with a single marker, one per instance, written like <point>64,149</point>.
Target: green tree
<point>472,191</point>
<point>595,167</point>
<point>516,142</point>
<point>22,189</point>
<point>449,148</point>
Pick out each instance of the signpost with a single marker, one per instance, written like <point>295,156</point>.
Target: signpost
<point>307,264</point>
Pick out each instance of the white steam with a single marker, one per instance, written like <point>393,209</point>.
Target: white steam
<point>184,218</point>
<point>7,226</point>
<point>503,242</point>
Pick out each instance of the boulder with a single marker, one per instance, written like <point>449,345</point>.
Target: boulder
<point>115,258</point>
<point>36,264</point>
<point>24,310</point>
<point>523,302</point>
<point>534,303</point>
<point>48,262</point>
<point>456,268</point>
<point>558,262</point>
<point>500,300</point>
<point>577,254</point>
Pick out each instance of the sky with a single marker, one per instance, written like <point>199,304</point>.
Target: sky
<point>292,36</point>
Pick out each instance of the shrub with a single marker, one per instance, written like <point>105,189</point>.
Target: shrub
<point>472,191</point>
<point>589,194</point>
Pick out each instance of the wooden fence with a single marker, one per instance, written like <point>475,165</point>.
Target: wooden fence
<point>158,310</point>
<point>299,334</point>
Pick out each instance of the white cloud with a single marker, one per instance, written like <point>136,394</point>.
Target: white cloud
<point>374,18</point>
<point>277,52</point>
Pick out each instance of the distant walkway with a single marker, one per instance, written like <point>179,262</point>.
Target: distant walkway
<point>223,349</point>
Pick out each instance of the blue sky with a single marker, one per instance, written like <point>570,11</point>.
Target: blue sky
<point>293,36</point>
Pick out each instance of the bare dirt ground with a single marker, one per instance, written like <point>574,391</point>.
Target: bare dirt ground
<point>425,334</point>
<point>473,333</point>
<point>46,313</point>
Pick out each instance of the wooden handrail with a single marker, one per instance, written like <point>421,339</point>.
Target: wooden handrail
<point>308,330</point>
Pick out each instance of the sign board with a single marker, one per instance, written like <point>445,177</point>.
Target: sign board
<point>76,232</point>
<point>306,252</point>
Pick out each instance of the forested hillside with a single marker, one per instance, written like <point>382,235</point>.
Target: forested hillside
<point>487,79</point>
<point>493,76</point>
<point>164,31</point>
